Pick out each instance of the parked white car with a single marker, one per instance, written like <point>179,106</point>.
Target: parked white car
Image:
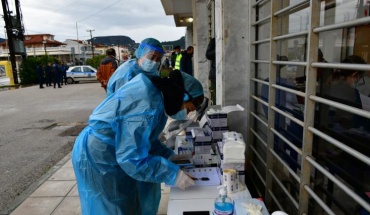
<point>76,74</point>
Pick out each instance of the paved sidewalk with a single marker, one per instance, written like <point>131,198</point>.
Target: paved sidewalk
<point>58,195</point>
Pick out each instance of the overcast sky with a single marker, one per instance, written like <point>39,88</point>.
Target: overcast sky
<point>137,19</point>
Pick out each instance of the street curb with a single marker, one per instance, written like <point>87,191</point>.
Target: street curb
<point>24,195</point>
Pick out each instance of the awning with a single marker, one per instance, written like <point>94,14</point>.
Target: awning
<point>181,11</point>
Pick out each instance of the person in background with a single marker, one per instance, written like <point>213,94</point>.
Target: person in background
<point>48,75</point>
<point>118,159</point>
<point>343,89</point>
<point>40,75</point>
<point>166,62</point>
<point>176,57</point>
<point>186,63</point>
<point>211,55</point>
<point>364,89</point>
<point>57,73</point>
<point>148,57</point>
<point>107,67</point>
<point>63,69</point>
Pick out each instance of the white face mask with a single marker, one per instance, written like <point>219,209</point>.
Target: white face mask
<point>181,115</point>
<point>150,67</point>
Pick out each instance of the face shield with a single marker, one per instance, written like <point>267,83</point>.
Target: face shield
<point>149,58</point>
<point>146,49</point>
<point>154,56</point>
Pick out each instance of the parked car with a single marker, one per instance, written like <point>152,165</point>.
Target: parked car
<point>76,74</point>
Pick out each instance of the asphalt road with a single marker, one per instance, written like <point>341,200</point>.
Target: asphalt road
<point>37,129</point>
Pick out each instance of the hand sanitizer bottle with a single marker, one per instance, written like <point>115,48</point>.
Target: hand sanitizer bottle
<point>223,204</point>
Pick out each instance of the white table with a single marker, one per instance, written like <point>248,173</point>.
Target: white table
<point>197,199</point>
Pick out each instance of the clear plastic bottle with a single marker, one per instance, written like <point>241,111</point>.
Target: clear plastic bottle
<point>223,204</point>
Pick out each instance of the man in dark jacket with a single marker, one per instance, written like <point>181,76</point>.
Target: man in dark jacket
<point>211,55</point>
<point>40,75</point>
<point>186,64</point>
<point>57,73</point>
<point>48,74</point>
<point>107,67</point>
<point>64,69</point>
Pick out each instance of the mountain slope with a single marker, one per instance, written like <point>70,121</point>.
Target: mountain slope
<point>130,43</point>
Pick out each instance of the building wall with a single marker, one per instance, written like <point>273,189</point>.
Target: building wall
<point>200,42</point>
<point>189,36</point>
<point>232,59</point>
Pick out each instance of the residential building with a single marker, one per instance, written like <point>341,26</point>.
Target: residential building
<point>38,45</point>
<point>80,50</point>
<point>44,44</point>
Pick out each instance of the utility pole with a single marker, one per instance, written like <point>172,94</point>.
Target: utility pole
<point>119,53</point>
<point>14,30</point>
<point>91,40</point>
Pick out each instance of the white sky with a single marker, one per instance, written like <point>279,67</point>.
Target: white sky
<point>137,19</point>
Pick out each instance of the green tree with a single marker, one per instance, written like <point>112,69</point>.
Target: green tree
<point>27,71</point>
<point>95,61</point>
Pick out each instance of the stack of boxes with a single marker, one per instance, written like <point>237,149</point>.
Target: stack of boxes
<point>216,125</point>
<point>201,138</point>
<point>232,153</point>
<point>202,142</point>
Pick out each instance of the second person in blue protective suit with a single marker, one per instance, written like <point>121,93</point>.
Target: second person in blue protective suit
<point>118,160</point>
<point>147,61</point>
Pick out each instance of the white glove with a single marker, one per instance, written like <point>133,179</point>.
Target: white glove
<point>183,180</point>
<point>176,157</point>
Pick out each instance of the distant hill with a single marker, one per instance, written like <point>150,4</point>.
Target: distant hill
<point>179,42</point>
<point>130,43</point>
<point>115,40</point>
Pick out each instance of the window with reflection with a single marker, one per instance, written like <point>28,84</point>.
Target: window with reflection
<point>350,87</point>
<point>76,69</point>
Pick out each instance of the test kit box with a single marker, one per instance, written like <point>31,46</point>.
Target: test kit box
<point>236,166</point>
<point>201,135</point>
<point>183,146</point>
<point>193,125</point>
<point>217,120</point>
<point>217,117</point>
<point>205,149</point>
<point>219,150</point>
<point>241,175</point>
<point>216,132</point>
<point>201,159</point>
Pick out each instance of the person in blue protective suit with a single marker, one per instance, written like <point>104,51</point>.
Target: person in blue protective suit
<point>148,58</point>
<point>118,160</point>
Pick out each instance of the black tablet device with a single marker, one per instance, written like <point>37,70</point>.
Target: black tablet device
<point>196,213</point>
<point>183,162</point>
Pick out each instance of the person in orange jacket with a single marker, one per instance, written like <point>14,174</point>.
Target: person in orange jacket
<point>107,67</point>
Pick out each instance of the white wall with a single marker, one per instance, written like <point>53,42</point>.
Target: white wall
<point>200,42</point>
<point>233,59</point>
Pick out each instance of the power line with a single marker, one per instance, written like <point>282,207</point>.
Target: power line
<point>99,11</point>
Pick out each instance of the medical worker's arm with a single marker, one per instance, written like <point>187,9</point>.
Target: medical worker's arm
<point>158,148</point>
<point>132,151</point>
<point>183,180</point>
<point>121,76</point>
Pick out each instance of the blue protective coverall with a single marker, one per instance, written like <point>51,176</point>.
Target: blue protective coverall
<point>125,73</point>
<point>122,75</point>
<point>118,160</point>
